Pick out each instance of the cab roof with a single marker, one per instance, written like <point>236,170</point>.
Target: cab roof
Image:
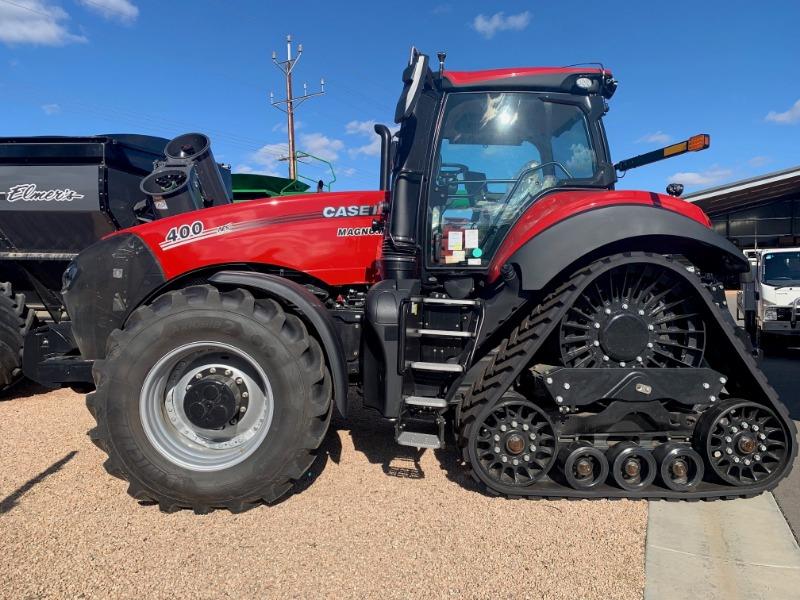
<point>557,79</point>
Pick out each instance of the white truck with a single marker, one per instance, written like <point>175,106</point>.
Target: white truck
<point>770,302</point>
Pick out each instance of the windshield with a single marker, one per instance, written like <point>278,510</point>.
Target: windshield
<point>782,268</point>
<point>497,152</point>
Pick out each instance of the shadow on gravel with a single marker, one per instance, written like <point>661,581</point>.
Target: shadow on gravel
<point>22,389</point>
<point>12,499</point>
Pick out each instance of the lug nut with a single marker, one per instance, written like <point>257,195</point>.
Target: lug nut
<point>503,427</point>
<point>622,364</point>
<point>496,437</point>
<point>706,386</point>
<point>728,439</point>
<point>763,448</point>
<point>734,429</point>
<point>245,395</point>
<point>717,454</point>
<point>723,381</point>
<point>514,424</point>
<point>532,448</point>
<point>566,385</point>
<point>651,328</point>
<point>747,461</point>
<point>497,449</point>
<point>504,458</point>
<point>728,451</point>
<point>638,359</point>
<point>650,345</point>
<point>624,307</point>
<point>526,457</point>
<point>608,311</point>
<point>212,370</point>
<point>239,380</point>
<point>755,428</point>
<point>242,409</point>
<point>756,457</point>
<point>525,426</point>
<point>745,425</point>
<point>198,376</point>
<point>605,357</point>
<point>515,462</point>
<point>641,312</point>
<point>736,459</point>
<point>549,381</point>
<point>559,399</point>
<point>596,344</point>
<point>761,436</point>
<point>533,436</point>
<point>597,325</point>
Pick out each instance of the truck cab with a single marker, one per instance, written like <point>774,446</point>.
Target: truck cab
<point>771,303</point>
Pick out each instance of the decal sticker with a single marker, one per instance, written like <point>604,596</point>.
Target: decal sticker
<point>454,240</point>
<point>477,252</point>
<point>28,192</point>
<point>351,211</point>
<point>356,231</point>
<point>192,232</point>
<point>471,238</point>
<point>474,262</point>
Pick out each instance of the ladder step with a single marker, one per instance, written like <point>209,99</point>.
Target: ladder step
<point>425,401</point>
<point>419,440</point>
<point>434,366</point>
<point>444,301</point>
<point>441,333</point>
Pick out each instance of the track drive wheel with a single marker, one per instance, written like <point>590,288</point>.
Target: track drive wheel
<point>510,445</point>
<point>743,442</point>
<point>632,467</point>
<point>210,400</point>
<point>15,322</point>
<point>585,467</point>
<point>680,468</point>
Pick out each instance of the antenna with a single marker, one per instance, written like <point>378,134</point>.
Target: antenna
<point>290,103</point>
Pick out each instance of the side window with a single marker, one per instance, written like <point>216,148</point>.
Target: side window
<point>571,149</point>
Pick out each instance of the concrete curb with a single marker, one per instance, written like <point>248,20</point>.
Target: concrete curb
<point>723,549</point>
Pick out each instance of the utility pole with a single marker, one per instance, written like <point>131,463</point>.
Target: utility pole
<point>291,102</point>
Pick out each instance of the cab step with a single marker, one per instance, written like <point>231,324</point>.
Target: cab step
<point>443,301</point>
<point>416,439</point>
<point>441,333</point>
<point>435,366</point>
<point>425,402</point>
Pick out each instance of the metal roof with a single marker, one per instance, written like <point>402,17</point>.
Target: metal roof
<point>747,192</point>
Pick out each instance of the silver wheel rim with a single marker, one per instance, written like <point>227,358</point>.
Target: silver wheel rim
<point>175,437</point>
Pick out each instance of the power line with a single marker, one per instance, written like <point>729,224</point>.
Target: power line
<point>29,9</point>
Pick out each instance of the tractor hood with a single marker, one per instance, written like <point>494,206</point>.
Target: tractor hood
<point>328,236</point>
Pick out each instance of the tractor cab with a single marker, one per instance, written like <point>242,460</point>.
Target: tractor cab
<point>475,149</point>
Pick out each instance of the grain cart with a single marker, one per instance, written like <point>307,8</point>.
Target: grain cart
<point>497,287</point>
<point>59,195</point>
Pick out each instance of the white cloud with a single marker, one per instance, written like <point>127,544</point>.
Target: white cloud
<point>35,22</point>
<point>759,161</point>
<point>320,145</point>
<point>366,129</point>
<point>122,10</point>
<point>788,117</point>
<point>659,137</point>
<point>707,177</point>
<point>442,9</point>
<point>51,109</point>
<point>489,26</point>
<point>349,171</point>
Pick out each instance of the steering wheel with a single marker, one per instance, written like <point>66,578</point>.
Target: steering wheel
<point>447,178</point>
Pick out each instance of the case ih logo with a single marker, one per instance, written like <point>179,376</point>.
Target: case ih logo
<point>27,192</point>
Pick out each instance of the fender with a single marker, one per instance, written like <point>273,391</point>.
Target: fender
<point>311,309</point>
<point>619,228</point>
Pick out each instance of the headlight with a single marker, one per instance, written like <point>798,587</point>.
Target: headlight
<point>770,314</point>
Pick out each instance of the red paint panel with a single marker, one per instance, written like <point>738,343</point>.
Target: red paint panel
<point>291,232</point>
<point>470,77</point>
<point>557,206</point>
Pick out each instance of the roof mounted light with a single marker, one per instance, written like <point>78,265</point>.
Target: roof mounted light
<point>584,83</point>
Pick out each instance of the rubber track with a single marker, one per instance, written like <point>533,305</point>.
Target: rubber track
<point>495,374</point>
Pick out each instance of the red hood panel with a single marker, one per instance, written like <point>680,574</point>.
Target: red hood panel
<point>326,235</point>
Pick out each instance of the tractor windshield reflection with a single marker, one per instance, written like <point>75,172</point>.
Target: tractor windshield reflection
<point>497,153</point>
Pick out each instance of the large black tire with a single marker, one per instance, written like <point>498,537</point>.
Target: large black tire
<point>15,322</point>
<point>282,347</point>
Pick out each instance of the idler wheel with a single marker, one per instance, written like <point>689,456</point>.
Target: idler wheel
<point>680,468</point>
<point>584,466</point>
<point>632,467</point>
<point>743,443</point>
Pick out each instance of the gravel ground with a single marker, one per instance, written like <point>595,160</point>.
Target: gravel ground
<point>372,519</point>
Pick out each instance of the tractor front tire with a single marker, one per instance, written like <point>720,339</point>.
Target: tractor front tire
<point>210,399</point>
<point>15,322</point>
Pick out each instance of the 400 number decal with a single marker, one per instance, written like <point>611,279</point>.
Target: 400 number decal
<point>184,232</point>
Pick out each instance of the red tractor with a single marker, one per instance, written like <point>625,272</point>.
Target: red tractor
<point>496,292</point>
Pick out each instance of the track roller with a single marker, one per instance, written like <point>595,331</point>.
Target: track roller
<point>632,467</point>
<point>680,468</point>
<point>584,465</point>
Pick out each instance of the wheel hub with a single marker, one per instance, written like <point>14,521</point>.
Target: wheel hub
<point>515,443</point>
<point>212,402</point>
<point>624,337</point>
<point>584,467</point>
<point>679,469</point>
<point>632,468</point>
<point>747,444</point>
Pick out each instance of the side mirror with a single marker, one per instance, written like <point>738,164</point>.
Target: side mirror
<point>414,80</point>
<point>675,189</point>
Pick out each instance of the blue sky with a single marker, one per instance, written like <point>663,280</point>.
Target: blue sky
<point>728,68</point>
